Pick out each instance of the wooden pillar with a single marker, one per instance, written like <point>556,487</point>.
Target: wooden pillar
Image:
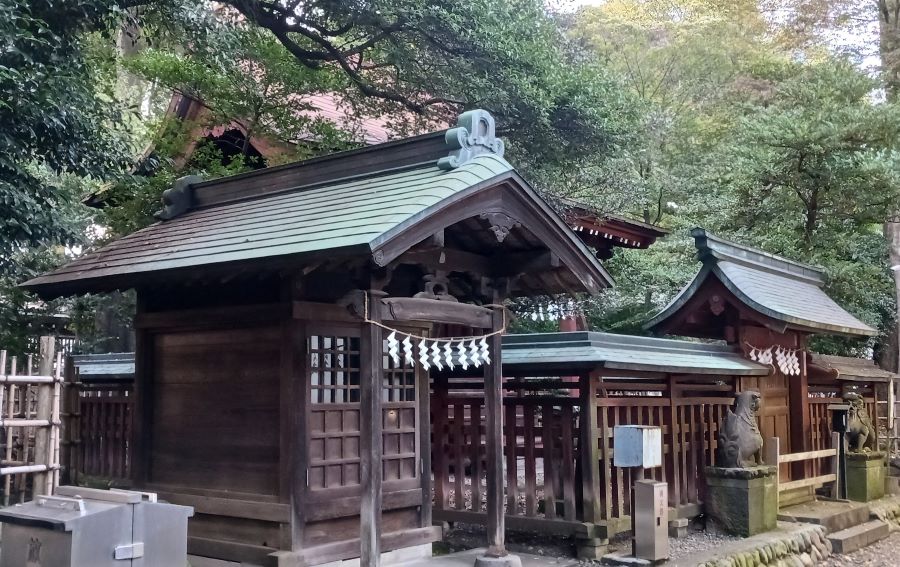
<point>423,399</point>
<point>590,449</point>
<point>370,441</point>
<point>493,401</point>
<point>72,423</point>
<point>143,392</point>
<point>295,419</point>
<point>798,396</point>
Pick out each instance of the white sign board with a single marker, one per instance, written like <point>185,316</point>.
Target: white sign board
<point>637,446</point>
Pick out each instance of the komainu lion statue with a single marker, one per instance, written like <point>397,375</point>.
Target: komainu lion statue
<point>740,442</point>
<point>860,431</point>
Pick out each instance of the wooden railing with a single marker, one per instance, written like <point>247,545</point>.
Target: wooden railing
<point>800,489</point>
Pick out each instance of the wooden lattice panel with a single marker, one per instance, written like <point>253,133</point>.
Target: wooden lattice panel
<point>399,453</point>
<point>399,434</point>
<point>334,410</point>
<point>334,446</point>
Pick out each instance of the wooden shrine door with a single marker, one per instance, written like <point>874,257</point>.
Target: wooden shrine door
<point>332,498</point>
<point>774,415</point>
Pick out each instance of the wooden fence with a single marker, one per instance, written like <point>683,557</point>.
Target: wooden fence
<point>104,431</point>
<point>545,441</point>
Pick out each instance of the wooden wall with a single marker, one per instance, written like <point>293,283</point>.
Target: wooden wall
<point>215,409</point>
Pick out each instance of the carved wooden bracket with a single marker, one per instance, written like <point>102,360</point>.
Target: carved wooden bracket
<point>716,305</point>
<point>501,224</point>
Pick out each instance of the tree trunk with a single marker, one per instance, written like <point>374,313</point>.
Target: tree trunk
<point>889,47</point>
<point>892,236</point>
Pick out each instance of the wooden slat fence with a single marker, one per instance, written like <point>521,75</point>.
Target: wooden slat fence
<point>543,451</point>
<point>540,443</point>
<point>689,421</point>
<point>104,427</point>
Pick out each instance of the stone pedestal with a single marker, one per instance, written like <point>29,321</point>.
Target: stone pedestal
<point>743,501</point>
<point>865,476</point>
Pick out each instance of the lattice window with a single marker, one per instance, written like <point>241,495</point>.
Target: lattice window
<point>334,369</point>
<point>398,382</point>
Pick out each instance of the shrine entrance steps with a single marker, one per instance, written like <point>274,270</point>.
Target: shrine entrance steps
<point>849,525</point>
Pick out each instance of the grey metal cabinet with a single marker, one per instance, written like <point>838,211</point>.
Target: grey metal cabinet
<point>85,527</point>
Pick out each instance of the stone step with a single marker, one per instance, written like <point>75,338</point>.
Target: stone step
<point>857,537</point>
<point>835,516</point>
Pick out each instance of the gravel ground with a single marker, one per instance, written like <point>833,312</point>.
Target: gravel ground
<point>885,553</point>
<point>465,536</point>
<point>697,541</point>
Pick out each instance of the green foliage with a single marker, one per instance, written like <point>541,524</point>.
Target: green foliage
<point>425,62</point>
<point>242,74</point>
<point>790,154</point>
<point>57,118</point>
<point>811,175</point>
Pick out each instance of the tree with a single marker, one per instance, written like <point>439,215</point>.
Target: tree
<point>811,174</point>
<point>438,58</point>
<point>241,73</point>
<point>57,119</point>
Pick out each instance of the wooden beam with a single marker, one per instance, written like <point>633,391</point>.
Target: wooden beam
<point>370,440</point>
<point>500,265</point>
<point>437,311</point>
<point>493,401</point>
<point>805,482</point>
<point>211,317</point>
<point>449,259</point>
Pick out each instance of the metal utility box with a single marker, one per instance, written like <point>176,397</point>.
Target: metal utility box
<point>85,527</point>
<point>637,446</point>
<point>839,417</point>
<point>651,520</point>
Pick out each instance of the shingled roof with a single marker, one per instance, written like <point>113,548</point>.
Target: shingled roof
<point>849,369</point>
<point>352,203</point>
<point>587,350</point>
<point>782,290</point>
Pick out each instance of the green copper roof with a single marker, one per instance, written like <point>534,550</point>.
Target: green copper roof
<point>379,201</point>
<point>623,352</point>
<point>784,290</point>
<point>339,214</point>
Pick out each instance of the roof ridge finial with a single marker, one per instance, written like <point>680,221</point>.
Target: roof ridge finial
<point>178,198</point>
<point>475,134</point>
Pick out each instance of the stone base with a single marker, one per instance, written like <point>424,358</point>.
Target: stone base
<point>591,548</point>
<point>505,561</point>
<point>678,527</point>
<point>865,476</point>
<point>744,502</point>
<point>623,559</point>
